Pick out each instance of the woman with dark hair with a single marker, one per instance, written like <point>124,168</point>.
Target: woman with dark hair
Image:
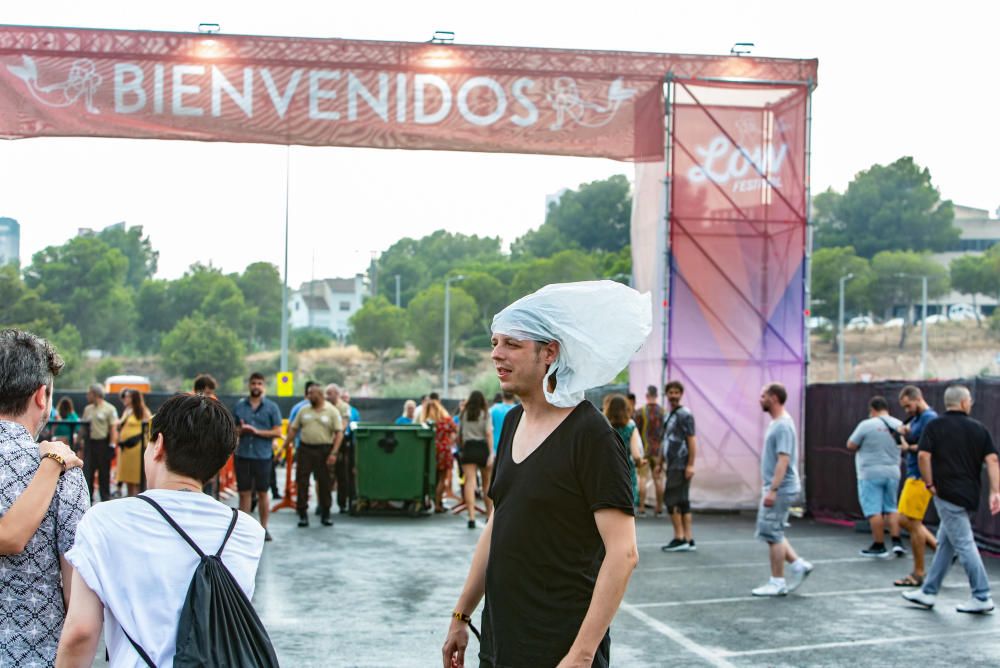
<point>133,432</point>
<point>66,413</point>
<point>475,439</point>
<point>616,409</point>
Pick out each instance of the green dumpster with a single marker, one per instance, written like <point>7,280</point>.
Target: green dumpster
<point>394,463</point>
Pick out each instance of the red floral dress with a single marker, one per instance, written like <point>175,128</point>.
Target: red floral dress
<point>443,431</point>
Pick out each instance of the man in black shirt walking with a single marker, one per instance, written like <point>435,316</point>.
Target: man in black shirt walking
<point>953,449</point>
<point>557,553</point>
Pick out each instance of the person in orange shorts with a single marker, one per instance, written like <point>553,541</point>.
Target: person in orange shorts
<point>915,497</point>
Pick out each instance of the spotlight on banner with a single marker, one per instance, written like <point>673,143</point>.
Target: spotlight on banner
<point>209,28</point>
<point>443,37</point>
<point>741,48</point>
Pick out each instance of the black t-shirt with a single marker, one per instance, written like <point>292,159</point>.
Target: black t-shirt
<point>958,444</point>
<point>545,550</point>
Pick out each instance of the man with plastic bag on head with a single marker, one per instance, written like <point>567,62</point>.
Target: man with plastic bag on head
<point>558,551</point>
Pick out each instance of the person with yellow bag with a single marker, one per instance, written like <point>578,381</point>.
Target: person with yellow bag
<point>133,431</point>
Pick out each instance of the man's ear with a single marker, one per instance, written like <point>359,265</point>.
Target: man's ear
<point>551,351</point>
<point>41,397</point>
<point>159,452</point>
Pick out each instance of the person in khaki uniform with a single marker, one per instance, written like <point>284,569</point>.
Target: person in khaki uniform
<point>102,440</point>
<point>322,430</point>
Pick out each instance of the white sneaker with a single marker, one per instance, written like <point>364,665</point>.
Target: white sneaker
<point>975,606</point>
<point>770,589</point>
<point>920,598</point>
<point>799,575</point>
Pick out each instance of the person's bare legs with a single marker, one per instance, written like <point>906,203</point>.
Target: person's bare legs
<point>877,524</point>
<point>686,521</point>
<point>469,489</point>
<point>263,507</point>
<point>643,482</point>
<point>133,489</point>
<point>487,476</point>
<point>780,553</point>
<point>678,521</point>
<point>658,487</point>
<point>894,525</point>
<point>245,501</point>
<point>439,491</point>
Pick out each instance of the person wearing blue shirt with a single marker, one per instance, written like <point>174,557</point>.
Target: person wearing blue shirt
<point>498,413</point>
<point>409,410</point>
<point>914,498</point>
<point>259,421</point>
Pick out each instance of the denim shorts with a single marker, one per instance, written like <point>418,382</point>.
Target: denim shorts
<point>878,495</point>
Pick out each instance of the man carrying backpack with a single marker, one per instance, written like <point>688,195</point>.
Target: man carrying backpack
<point>141,563</point>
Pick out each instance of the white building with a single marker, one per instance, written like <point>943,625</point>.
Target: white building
<point>978,233</point>
<point>328,303</point>
<point>10,241</point>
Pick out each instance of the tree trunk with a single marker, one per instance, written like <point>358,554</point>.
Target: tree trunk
<point>381,366</point>
<point>975,309</point>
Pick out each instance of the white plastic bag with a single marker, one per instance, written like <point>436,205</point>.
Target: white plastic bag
<point>599,326</point>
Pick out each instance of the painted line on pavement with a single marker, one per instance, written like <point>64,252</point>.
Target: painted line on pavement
<point>818,594</point>
<point>750,564</point>
<point>848,643</point>
<point>710,656</point>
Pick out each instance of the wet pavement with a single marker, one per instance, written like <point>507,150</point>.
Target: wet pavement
<point>378,591</point>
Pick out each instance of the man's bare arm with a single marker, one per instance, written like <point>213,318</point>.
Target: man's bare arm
<point>82,630</point>
<point>926,471</point>
<point>453,652</point>
<point>617,530</point>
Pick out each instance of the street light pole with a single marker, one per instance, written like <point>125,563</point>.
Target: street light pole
<point>447,334</point>
<point>284,287</point>
<point>923,332</point>
<point>397,291</point>
<point>840,329</point>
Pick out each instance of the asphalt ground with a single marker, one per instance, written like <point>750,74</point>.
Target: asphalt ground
<point>378,591</point>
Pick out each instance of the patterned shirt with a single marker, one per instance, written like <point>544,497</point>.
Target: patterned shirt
<point>31,603</point>
<point>649,420</point>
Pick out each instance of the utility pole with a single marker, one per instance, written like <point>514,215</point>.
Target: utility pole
<point>284,287</point>
<point>923,331</point>
<point>840,329</point>
<point>447,334</point>
<point>397,292</point>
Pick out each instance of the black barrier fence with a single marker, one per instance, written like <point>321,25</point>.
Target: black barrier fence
<point>371,409</point>
<point>832,412</point>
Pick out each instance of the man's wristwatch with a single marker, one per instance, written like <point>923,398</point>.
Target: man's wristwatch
<point>56,458</point>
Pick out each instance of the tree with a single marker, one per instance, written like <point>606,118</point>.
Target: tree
<point>153,313</point>
<point>23,308</point>
<point>261,286</point>
<point>974,275</point>
<point>426,317</point>
<point>597,216</point>
<point>828,266</point>
<point>546,241</point>
<point>378,327</point>
<point>898,280</point>
<point>202,345</point>
<point>86,278</point>
<point>310,338</point>
<point>565,267</point>
<point>894,207</point>
<point>489,293</point>
<point>138,250</point>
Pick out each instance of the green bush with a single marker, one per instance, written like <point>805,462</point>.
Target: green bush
<point>309,338</point>
<point>328,373</point>
<point>107,368</point>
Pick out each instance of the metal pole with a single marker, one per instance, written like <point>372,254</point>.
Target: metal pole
<point>923,333</point>
<point>447,325</point>
<point>397,291</point>
<point>284,286</point>
<point>840,329</point>
<point>668,126</point>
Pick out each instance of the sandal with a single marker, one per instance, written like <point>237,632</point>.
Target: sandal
<point>911,580</point>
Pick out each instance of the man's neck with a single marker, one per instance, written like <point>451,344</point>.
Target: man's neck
<point>777,413</point>
<point>537,407</point>
<point>255,401</point>
<point>672,407</point>
<point>179,483</point>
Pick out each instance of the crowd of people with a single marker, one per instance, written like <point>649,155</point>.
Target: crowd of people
<point>561,482</point>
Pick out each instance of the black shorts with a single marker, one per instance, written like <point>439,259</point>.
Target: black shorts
<point>676,492</point>
<point>476,452</point>
<point>253,474</point>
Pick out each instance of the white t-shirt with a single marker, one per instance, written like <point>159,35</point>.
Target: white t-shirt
<point>140,567</point>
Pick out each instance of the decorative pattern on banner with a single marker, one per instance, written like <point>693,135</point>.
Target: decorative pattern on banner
<point>67,82</point>
<point>737,229</point>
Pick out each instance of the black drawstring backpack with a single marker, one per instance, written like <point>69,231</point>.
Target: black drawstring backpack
<point>218,625</point>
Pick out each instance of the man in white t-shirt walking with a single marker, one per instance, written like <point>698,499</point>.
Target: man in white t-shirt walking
<point>132,569</point>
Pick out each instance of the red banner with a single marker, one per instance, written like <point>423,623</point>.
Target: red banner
<point>67,82</point>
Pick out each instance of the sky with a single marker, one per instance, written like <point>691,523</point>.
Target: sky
<point>895,78</point>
